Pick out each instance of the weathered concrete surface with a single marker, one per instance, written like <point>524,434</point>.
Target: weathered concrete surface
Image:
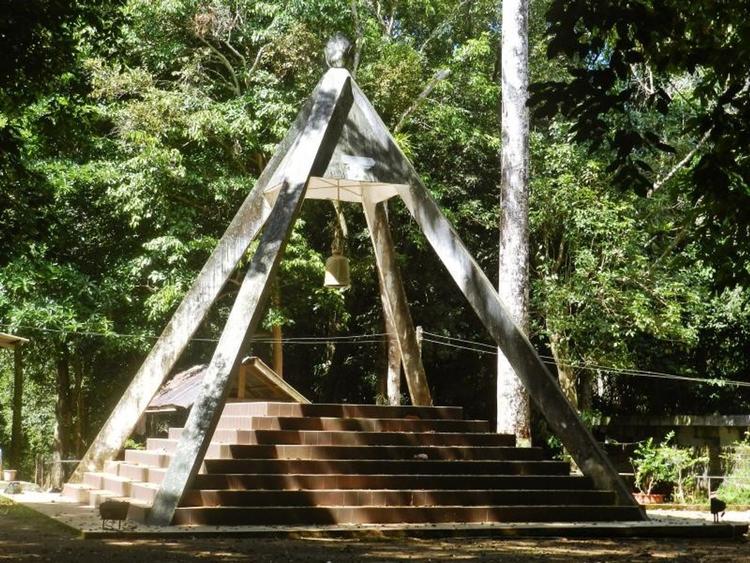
<point>394,297</point>
<point>176,335</point>
<point>196,304</point>
<point>309,155</point>
<point>482,296</point>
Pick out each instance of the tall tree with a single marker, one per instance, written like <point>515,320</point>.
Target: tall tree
<point>513,283</point>
<point>624,58</point>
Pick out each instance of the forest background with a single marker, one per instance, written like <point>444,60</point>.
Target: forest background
<point>130,131</point>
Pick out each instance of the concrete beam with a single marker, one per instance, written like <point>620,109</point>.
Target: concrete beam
<point>394,298</point>
<point>538,381</point>
<point>193,309</point>
<point>176,335</point>
<point>309,155</point>
<point>482,296</point>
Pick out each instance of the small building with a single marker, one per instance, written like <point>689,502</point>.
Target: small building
<point>254,380</point>
<point>13,342</point>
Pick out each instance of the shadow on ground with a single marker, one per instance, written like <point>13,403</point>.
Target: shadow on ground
<point>28,536</point>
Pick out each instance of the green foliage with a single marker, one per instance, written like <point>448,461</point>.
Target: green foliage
<point>664,464</point>
<point>140,127</point>
<point>632,64</point>
<point>736,488</point>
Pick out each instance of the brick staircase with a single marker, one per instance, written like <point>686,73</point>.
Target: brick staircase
<point>290,463</point>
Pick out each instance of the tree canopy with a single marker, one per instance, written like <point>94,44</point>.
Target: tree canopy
<point>131,131</point>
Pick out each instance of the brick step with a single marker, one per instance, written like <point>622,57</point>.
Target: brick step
<point>452,453</point>
<point>138,473</point>
<point>165,445</point>
<point>133,471</point>
<point>138,510</point>
<point>144,492</point>
<point>348,438</point>
<point>348,481</point>
<point>231,515</point>
<point>156,475</point>
<point>120,486</point>
<point>387,467</point>
<point>93,479</point>
<point>351,424</point>
<point>160,451</point>
<point>239,408</point>
<point>76,492</point>
<point>240,451</point>
<point>151,458</point>
<point>389,497</point>
<point>96,497</point>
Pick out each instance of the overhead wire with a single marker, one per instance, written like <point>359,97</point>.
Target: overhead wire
<point>549,360</point>
<point>348,339</point>
<point>430,337</point>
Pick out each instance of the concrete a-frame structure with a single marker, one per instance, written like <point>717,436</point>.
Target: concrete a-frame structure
<point>337,147</point>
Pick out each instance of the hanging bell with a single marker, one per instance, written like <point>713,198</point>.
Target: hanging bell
<point>337,271</point>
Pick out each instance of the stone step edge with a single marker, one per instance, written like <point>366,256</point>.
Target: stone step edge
<point>358,418</point>
<point>583,529</point>
<point>452,491</point>
<point>175,441</point>
<point>175,429</point>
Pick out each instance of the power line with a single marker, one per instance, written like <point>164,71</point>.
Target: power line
<point>377,338</point>
<point>348,339</point>
<point>549,360</point>
<point>492,347</point>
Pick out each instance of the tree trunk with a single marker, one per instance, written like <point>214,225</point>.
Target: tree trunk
<point>390,386</point>
<point>513,285</point>
<point>565,373</point>
<point>585,391</point>
<point>278,345</point>
<point>79,406</point>
<point>16,433</point>
<point>63,416</point>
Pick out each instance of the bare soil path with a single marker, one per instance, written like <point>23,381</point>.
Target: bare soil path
<point>28,536</point>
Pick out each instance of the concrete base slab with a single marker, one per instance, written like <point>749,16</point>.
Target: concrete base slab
<point>85,521</point>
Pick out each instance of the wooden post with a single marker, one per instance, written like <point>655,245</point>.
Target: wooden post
<point>241,381</point>
<point>309,156</point>
<point>16,432</point>
<point>396,302</point>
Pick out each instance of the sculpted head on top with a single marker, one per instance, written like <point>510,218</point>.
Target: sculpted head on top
<point>339,51</point>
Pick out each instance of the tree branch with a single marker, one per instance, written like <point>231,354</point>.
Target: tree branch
<point>219,55</point>
<point>439,75</point>
<point>677,167</point>
<point>256,62</point>
<point>359,40</point>
<point>440,27</point>
<point>377,10</point>
<point>220,76</point>
<point>649,90</point>
<point>236,53</point>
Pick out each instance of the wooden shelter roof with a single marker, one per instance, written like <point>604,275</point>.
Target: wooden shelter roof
<point>11,340</point>
<point>260,383</point>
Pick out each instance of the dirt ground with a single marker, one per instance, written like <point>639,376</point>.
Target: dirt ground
<point>28,536</point>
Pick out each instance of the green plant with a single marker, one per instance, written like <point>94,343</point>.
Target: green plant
<point>736,488</point>
<point>650,468</point>
<point>131,444</point>
<point>666,464</point>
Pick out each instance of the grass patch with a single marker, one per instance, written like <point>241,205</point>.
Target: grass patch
<point>16,516</point>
